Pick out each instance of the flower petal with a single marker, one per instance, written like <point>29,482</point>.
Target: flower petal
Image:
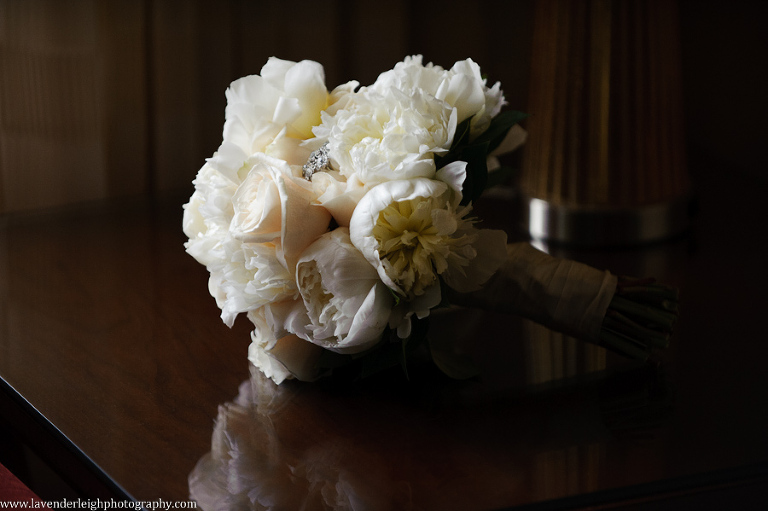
<point>491,253</point>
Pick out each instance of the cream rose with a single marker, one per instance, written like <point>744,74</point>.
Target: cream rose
<point>272,203</point>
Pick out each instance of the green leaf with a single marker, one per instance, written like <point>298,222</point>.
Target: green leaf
<point>395,295</point>
<point>477,171</point>
<point>461,137</point>
<point>476,152</point>
<point>460,140</point>
<point>499,127</point>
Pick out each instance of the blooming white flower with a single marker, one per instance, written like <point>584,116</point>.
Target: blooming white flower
<point>262,342</point>
<point>338,195</point>
<point>270,114</point>
<point>208,214</point>
<point>286,95</point>
<point>413,231</point>
<point>273,113</point>
<point>273,203</point>
<point>281,359</point>
<point>261,226</point>
<point>387,135</point>
<point>461,87</point>
<point>247,277</point>
<point>344,307</point>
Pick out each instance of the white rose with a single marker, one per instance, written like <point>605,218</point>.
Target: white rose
<point>247,277</point>
<point>384,136</point>
<point>272,203</point>
<point>344,307</point>
<point>414,231</point>
<point>462,87</point>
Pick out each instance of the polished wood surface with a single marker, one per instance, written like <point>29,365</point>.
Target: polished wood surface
<point>108,331</point>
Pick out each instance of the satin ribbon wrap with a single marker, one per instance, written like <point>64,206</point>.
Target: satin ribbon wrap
<point>561,294</point>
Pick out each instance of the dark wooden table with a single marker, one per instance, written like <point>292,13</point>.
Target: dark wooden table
<point>114,363</point>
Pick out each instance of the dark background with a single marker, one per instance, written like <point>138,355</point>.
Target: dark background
<point>104,99</point>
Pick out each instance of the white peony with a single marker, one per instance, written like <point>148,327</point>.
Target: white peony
<point>262,342</point>
<point>273,113</point>
<point>344,307</point>
<point>387,135</point>
<point>247,277</point>
<point>281,359</point>
<point>208,214</point>
<point>414,231</point>
<point>462,87</point>
<point>285,100</point>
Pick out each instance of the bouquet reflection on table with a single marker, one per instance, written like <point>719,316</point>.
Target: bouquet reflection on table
<point>340,223</point>
<point>421,445</point>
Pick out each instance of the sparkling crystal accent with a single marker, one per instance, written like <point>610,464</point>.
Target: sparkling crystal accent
<point>317,162</point>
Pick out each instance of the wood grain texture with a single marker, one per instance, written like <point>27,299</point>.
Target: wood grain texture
<point>107,328</point>
<point>99,326</point>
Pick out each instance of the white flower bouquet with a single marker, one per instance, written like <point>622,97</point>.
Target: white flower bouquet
<point>337,220</point>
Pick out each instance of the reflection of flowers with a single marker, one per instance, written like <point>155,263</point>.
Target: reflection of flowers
<point>306,447</point>
<point>261,459</point>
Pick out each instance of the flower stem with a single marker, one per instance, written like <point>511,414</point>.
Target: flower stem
<point>640,317</point>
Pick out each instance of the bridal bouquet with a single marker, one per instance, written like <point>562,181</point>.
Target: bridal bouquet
<point>338,220</point>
